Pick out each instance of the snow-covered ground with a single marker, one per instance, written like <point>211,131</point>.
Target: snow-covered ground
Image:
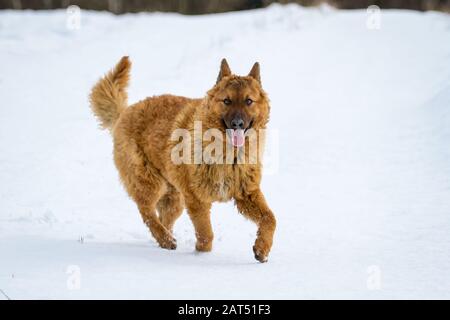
<point>362,190</point>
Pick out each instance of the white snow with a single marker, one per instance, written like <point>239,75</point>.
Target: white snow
<point>362,192</point>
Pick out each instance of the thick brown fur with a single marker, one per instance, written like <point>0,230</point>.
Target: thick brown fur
<point>143,146</point>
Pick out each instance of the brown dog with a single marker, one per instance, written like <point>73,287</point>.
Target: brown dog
<point>144,151</point>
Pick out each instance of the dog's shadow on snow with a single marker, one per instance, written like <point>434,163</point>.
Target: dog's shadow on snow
<point>150,252</point>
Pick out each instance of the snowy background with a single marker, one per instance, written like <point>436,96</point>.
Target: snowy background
<point>362,190</point>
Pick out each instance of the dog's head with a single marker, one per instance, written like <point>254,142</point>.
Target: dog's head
<point>238,103</point>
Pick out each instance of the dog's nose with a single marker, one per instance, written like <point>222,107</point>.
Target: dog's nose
<point>237,123</point>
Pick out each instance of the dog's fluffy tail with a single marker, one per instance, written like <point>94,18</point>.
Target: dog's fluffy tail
<point>108,97</point>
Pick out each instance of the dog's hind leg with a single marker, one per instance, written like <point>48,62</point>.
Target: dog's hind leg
<point>160,233</point>
<point>146,198</point>
<point>146,186</point>
<point>170,207</point>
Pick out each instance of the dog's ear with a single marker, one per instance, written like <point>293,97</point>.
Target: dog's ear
<point>254,73</point>
<point>224,70</point>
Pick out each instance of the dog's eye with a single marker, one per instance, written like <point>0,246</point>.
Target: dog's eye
<point>249,101</point>
<point>227,101</point>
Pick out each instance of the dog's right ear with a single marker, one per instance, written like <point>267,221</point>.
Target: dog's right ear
<point>224,70</point>
<point>255,73</point>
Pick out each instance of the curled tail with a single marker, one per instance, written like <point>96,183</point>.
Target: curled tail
<point>108,97</point>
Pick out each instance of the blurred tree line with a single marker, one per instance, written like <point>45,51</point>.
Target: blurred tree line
<point>213,6</point>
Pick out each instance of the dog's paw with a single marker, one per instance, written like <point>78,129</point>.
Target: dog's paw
<point>203,245</point>
<point>260,254</point>
<point>168,243</point>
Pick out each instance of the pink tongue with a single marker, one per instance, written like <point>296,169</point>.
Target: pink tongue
<point>238,138</point>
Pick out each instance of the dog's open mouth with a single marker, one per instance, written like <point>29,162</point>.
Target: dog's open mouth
<point>238,135</point>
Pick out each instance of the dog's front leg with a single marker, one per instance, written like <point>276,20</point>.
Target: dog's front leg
<point>254,207</point>
<point>199,212</point>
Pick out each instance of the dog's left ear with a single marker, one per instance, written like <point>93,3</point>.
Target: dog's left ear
<point>254,73</point>
<point>224,70</point>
